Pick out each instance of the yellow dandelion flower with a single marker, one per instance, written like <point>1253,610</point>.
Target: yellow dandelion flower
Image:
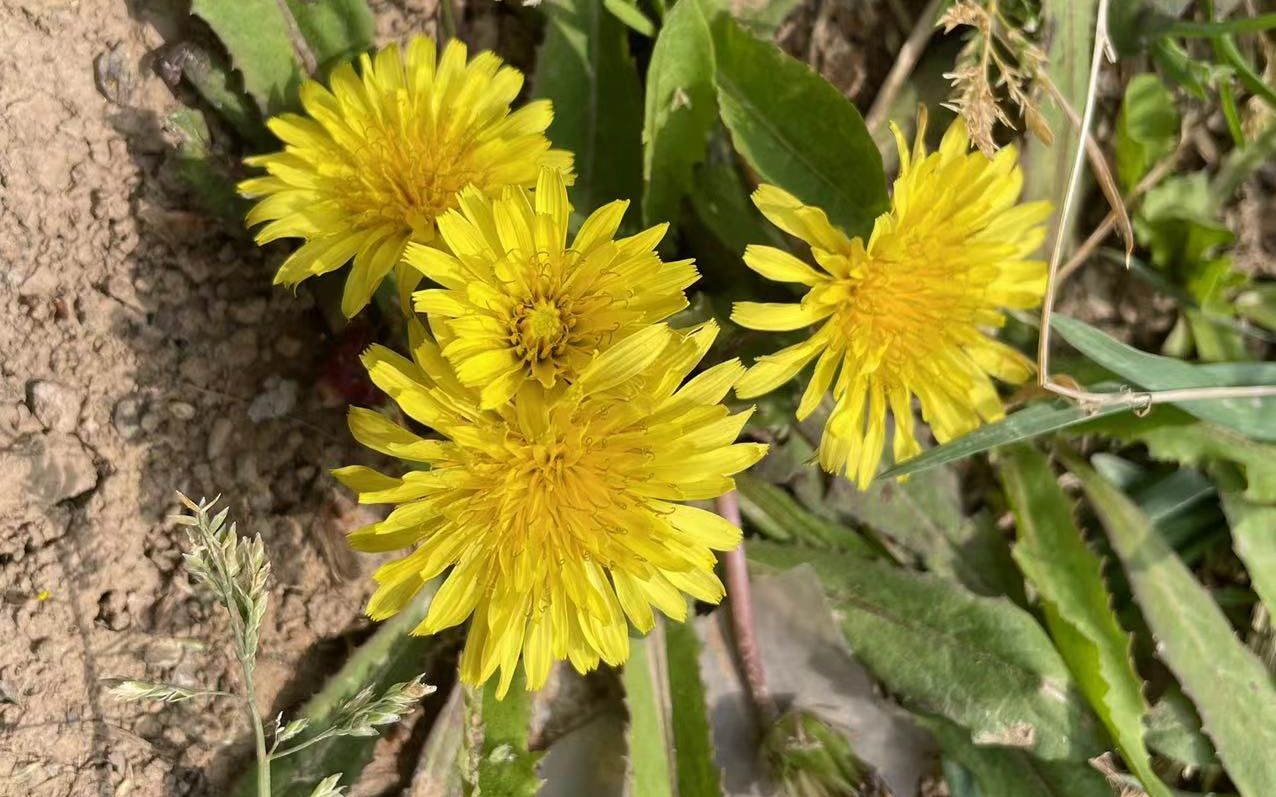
<point>906,314</point>
<point>379,155</point>
<point>557,516</point>
<point>520,304</point>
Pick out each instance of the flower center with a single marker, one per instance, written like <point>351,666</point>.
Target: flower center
<point>541,330</point>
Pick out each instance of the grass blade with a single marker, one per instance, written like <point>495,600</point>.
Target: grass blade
<point>697,771</point>
<point>648,735</point>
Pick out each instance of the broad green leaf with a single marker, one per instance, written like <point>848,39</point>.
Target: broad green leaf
<point>1229,685</point>
<point>1030,422</point>
<point>336,30</point>
<point>1178,221</point>
<point>505,766</point>
<point>1174,730</point>
<point>1254,539</point>
<point>797,131</point>
<point>585,68</point>
<point>216,84</point>
<point>924,516</point>
<point>256,37</point>
<point>204,172</point>
<point>698,774</point>
<point>775,513</point>
<point>1078,608</point>
<point>648,736</point>
<point>391,655</point>
<point>1006,772</point>
<point>627,11</point>
<point>1172,435</point>
<point>1147,128</point>
<point>1254,417</point>
<point>681,109</point>
<point>981,662</point>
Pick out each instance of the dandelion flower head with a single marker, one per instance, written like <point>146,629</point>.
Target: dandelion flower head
<point>558,517</point>
<point>907,314</point>
<point>521,305</point>
<point>379,155</point>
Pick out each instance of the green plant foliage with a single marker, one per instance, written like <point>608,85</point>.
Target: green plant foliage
<point>1007,772</point>
<point>983,663</point>
<point>201,170</point>
<point>1254,538</point>
<point>924,516</point>
<point>1174,730</point>
<point>1147,128</point>
<point>1258,304</point>
<point>255,35</point>
<point>697,774</point>
<point>681,109</point>
<point>648,735</point>
<point>335,30</point>
<point>585,68</point>
<point>390,656</point>
<point>1068,577</point>
<point>775,513</point>
<point>1178,223</point>
<point>1255,418</point>
<point>760,18</point>
<point>627,11</point>
<point>1229,685</point>
<point>505,767</point>
<point>1028,423</point>
<point>796,131</point>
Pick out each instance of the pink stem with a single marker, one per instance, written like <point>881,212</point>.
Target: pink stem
<point>741,606</point>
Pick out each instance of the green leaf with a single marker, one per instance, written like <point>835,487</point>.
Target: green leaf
<point>1258,304</point>
<point>775,513</point>
<point>681,109</point>
<point>981,662</point>
<point>1030,422</point>
<point>1256,418</point>
<point>1229,685</point>
<point>1172,435</point>
<point>1197,77</point>
<point>698,774</point>
<point>336,30</point>
<point>1006,772</point>
<point>1147,128</point>
<point>216,84</point>
<point>391,655</point>
<point>256,37</point>
<point>648,736</point>
<point>1078,608</point>
<point>762,18</point>
<point>1174,730</point>
<point>204,172</point>
<point>585,68</point>
<point>1254,539</point>
<point>627,11</point>
<point>505,766</point>
<point>1178,221</point>
<point>924,516</point>
<point>797,131</point>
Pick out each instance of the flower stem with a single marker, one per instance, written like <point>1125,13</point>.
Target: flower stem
<point>740,603</point>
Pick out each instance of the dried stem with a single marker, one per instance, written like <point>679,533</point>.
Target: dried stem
<point>905,62</point>
<point>740,602</point>
<point>1132,399</point>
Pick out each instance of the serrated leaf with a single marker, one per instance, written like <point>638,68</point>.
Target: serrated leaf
<point>1078,607</point>
<point>1174,730</point>
<point>1229,685</point>
<point>1254,417</point>
<point>1147,128</point>
<point>1172,435</point>
<point>649,737</point>
<point>336,30</point>
<point>255,35</point>
<point>775,513</point>
<point>981,662</point>
<point>1254,540</point>
<point>797,131</point>
<point>585,68</point>
<point>390,655</point>
<point>505,766</point>
<point>924,516</point>
<point>1005,772</point>
<point>696,770</point>
<point>681,109</point>
<point>1026,424</point>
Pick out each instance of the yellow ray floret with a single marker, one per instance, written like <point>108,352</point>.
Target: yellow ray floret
<point>520,303</point>
<point>379,155</point>
<point>905,315</point>
<point>557,516</point>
